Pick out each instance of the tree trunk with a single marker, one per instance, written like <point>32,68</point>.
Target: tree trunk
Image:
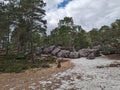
<point>32,49</point>
<point>7,46</point>
<point>18,47</point>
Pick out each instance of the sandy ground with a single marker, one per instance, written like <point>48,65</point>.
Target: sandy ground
<point>24,80</point>
<point>83,76</point>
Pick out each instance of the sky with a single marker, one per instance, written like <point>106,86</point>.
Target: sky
<point>87,13</point>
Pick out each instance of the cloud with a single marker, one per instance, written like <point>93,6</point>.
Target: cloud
<point>87,13</point>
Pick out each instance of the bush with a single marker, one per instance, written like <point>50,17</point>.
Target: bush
<point>18,63</point>
<point>51,59</point>
<point>20,56</point>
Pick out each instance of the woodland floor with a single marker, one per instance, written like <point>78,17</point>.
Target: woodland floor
<point>100,73</point>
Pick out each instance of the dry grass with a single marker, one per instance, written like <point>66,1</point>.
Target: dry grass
<point>23,80</point>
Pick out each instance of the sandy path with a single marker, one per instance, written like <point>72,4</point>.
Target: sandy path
<point>85,76</point>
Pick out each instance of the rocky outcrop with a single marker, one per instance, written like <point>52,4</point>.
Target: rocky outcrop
<point>39,50</point>
<point>49,49</point>
<point>98,47</point>
<point>59,52</point>
<point>89,53</point>
<point>74,55</point>
<point>91,56</point>
<point>63,53</point>
<point>83,52</point>
<point>55,51</point>
<point>96,52</point>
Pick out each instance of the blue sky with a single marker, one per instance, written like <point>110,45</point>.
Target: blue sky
<point>63,4</point>
<point>87,13</point>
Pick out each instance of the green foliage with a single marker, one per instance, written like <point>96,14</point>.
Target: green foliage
<point>19,65</point>
<point>12,65</point>
<point>68,35</point>
<point>94,37</point>
<point>80,40</point>
<point>26,16</point>
<point>20,56</point>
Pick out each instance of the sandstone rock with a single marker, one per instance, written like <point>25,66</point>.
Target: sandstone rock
<point>55,51</point>
<point>74,55</point>
<point>91,56</point>
<point>98,47</point>
<point>83,52</point>
<point>39,50</point>
<point>96,52</point>
<point>51,48</point>
<point>48,50</point>
<point>86,52</point>
<point>63,53</point>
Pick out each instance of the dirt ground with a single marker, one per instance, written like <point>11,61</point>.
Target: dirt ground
<point>114,56</point>
<point>21,81</point>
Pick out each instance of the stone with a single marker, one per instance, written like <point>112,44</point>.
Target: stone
<point>91,56</point>
<point>86,52</point>
<point>74,55</point>
<point>55,51</point>
<point>63,53</point>
<point>83,52</point>
<point>39,50</point>
<point>51,48</point>
<point>48,50</point>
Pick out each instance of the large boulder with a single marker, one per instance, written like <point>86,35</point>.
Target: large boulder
<point>98,47</point>
<point>74,55</point>
<point>96,52</point>
<point>83,52</point>
<point>51,48</point>
<point>91,56</point>
<point>55,51</point>
<point>39,50</point>
<point>86,52</point>
<point>63,53</point>
<point>48,50</point>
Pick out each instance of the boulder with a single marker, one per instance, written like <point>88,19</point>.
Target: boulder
<point>86,52</point>
<point>98,47</point>
<point>91,56</point>
<point>51,48</point>
<point>48,50</point>
<point>96,52</point>
<point>74,55</point>
<point>63,53</point>
<point>55,51</point>
<point>39,50</point>
<point>83,52</point>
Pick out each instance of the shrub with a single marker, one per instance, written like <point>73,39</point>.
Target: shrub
<point>20,56</point>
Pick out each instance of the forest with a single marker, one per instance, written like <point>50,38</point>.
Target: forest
<point>23,29</point>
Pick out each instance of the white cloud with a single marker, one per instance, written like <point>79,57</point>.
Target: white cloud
<point>87,13</point>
